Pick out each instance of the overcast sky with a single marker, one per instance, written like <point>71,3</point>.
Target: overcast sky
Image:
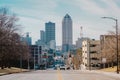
<point>34,14</point>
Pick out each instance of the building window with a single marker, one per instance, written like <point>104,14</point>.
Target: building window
<point>94,58</point>
<point>92,45</point>
<point>93,51</point>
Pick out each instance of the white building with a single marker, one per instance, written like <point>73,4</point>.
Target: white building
<point>91,54</point>
<point>79,42</point>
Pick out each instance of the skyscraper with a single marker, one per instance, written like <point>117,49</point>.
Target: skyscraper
<point>50,31</point>
<point>27,39</point>
<point>67,33</point>
<point>43,36</point>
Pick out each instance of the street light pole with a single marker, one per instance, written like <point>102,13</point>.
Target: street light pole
<point>117,46</point>
<point>117,53</point>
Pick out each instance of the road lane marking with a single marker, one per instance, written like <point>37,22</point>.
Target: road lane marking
<point>59,75</point>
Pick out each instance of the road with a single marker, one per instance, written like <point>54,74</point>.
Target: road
<point>58,75</point>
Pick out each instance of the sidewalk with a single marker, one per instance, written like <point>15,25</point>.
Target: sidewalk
<point>113,74</point>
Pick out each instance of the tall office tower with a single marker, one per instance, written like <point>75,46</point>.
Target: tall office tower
<point>27,39</point>
<point>43,36</point>
<point>67,33</point>
<point>50,32</point>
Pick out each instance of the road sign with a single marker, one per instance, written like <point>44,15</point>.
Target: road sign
<point>103,60</point>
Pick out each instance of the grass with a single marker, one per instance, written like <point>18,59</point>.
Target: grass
<point>109,69</point>
<point>11,70</point>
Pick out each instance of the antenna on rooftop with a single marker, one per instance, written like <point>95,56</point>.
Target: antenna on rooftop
<point>81,32</point>
<point>27,34</point>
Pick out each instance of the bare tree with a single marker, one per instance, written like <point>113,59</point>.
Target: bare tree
<point>10,45</point>
<point>7,23</point>
<point>77,59</point>
<point>109,48</point>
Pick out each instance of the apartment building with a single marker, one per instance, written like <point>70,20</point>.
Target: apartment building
<point>91,57</point>
<point>35,52</point>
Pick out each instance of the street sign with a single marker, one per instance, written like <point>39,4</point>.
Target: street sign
<point>103,60</point>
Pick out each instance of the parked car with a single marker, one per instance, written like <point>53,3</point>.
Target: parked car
<point>64,67</point>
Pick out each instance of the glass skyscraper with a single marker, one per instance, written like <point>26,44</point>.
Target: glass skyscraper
<point>50,32</point>
<point>67,33</point>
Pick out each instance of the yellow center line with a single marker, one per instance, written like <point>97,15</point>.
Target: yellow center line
<point>59,75</point>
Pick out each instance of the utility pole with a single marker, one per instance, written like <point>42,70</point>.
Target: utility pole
<point>81,32</point>
<point>117,53</point>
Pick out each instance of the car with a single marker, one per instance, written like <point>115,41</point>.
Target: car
<point>63,68</point>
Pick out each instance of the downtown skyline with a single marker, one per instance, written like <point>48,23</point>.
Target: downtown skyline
<point>86,13</point>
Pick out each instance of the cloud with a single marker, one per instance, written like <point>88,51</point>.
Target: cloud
<point>89,6</point>
<point>90,29</point>
<point>31,25</point>
<point>87,13</point>
<point>34,25</point>
<point>32,8</point>
<point>43,4</point>
<point>112,7</point>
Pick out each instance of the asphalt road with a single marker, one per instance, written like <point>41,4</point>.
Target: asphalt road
<point>58,75</point>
